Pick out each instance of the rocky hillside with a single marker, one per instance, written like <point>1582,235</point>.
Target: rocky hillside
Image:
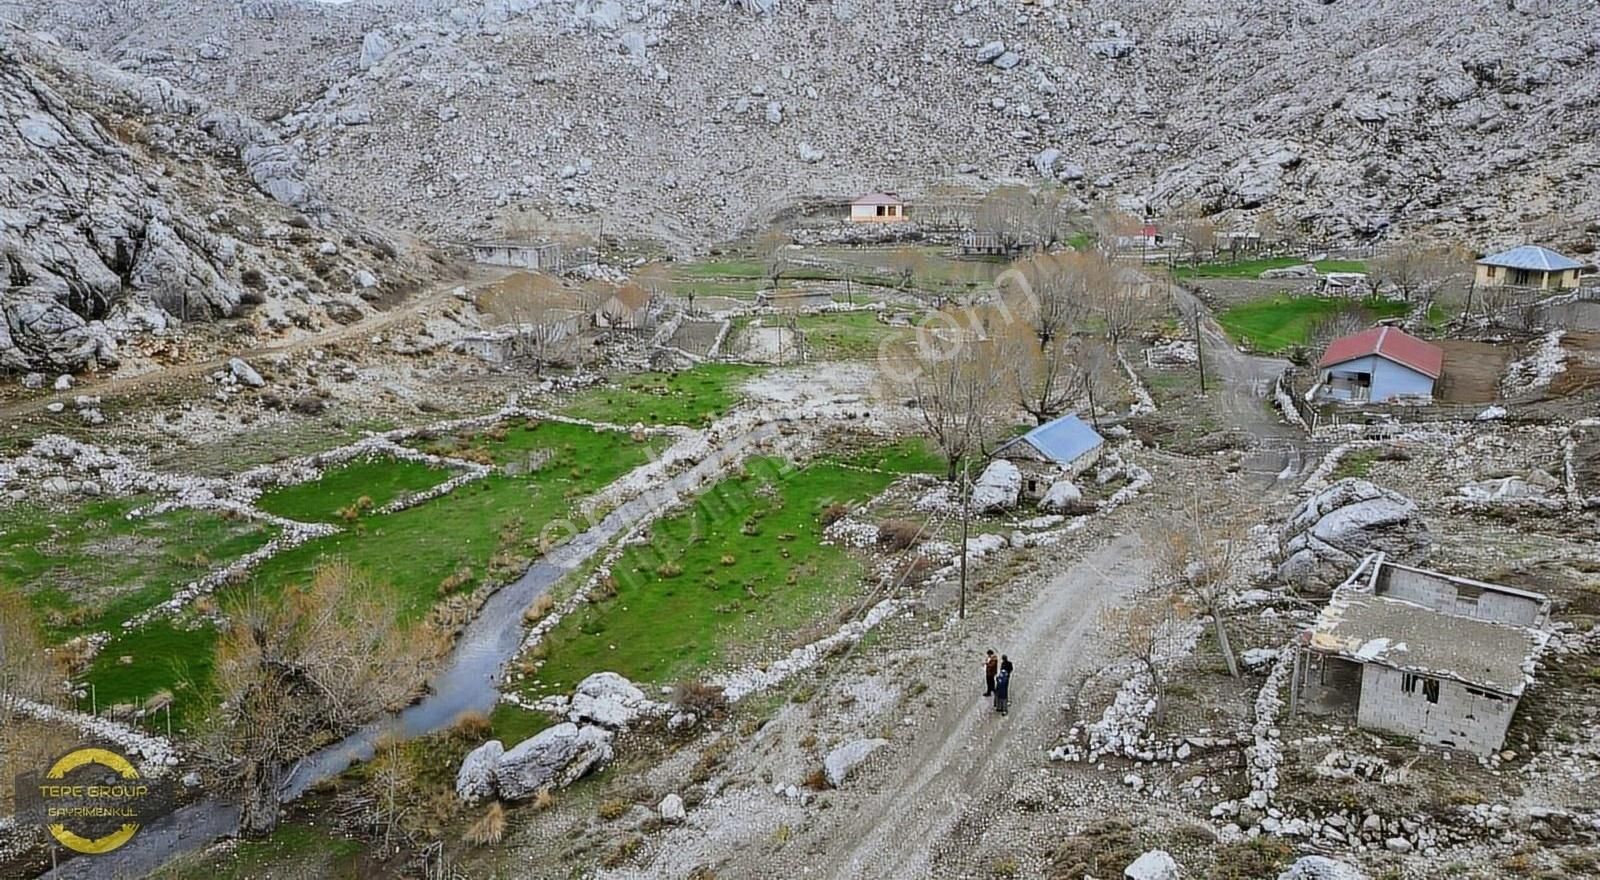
<point>690,119</point>
<point>129,208</point>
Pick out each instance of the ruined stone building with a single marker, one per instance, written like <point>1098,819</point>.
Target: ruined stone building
<point>1442,659</point>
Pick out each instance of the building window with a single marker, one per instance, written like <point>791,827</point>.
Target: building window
<point>1408,682</point>
<point>1493,271</point>
<point>1430,689</point>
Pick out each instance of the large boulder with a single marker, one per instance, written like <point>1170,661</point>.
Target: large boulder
<point>842,761</point>
<point>609,700</point>
<point>554,758</point>
<point>1336,528</point>
<point>997,487</point>
<point>1153,865</point>
<point>1062,495</point>
<point>475,780</point>
<point>1302,270</point>
<point>1322,868</point>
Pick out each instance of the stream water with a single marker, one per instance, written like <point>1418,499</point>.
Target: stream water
<point>469,681</point>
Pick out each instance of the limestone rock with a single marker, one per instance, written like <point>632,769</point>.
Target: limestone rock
<point>374,48</point>
<point>1302,270</point>
<point>842,761</point>
<point>555,757</point>
<point>609,700</point>
<point>1061,495</point>
<point>475,781</point>
<point>1334,529</point>
<point>671,810</point>
<point>1156,864</point>
<point>997,487</point>
<point>245,373</point>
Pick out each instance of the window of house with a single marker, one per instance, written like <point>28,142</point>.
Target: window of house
<point>1493,271</point>
<point>882,209</point>
<point>1408,682</point>
<point>1430,689</point>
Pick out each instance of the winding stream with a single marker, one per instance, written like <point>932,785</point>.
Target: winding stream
<point>469,681</point>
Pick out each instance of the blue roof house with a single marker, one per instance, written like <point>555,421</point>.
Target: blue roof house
<point>1529,266</point>
<point>1065,445</point>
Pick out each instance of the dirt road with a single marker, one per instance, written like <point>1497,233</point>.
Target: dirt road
<point>368,326</point>
<point>944,782</point>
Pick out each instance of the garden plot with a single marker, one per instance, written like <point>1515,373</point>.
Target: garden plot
<point>713,582</point>
<point>694,397</point>
<point>89,568</point>
<point>343,492</point>
<point>1281,322</point>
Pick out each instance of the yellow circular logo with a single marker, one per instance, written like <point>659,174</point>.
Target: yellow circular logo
<point>92,799</point>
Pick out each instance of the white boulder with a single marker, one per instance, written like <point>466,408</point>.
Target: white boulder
<point>1061,495</point>
<point>842,761</point>
<point>1321,868</point>
<point>609,700</point>
<point>245,373</point>
<point>1153,865</point>
<point>997,487</point>
<point>672,811</point>
<point>475,780</point>
<point>554,758</point>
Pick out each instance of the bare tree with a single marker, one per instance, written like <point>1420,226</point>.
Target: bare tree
<point>537,311</point>
<point>1124,302</point>
<point>773,248</point>
<point>1114,229</point>
<point>1422,270</point>
<point>296,670</point>
<point>1148,632</point>
<point>1201,552</point>
<point>1044,302</point>
<point>955,388</point>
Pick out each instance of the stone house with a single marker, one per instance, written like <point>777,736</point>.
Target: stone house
<point>1379,364</point>
<point>1062,448</point>
<point>878,208</point>
<point>1528,266</point>
<point>523,255</point>
<point>1442,659</point>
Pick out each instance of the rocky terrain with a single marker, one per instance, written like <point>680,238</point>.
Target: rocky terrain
<point>128,208</point>
<point>692,120</point>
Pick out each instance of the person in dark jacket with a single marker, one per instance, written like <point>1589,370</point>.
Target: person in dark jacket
<point>991,666</point>
<point>1002,690</point>
<point>1005,663</point>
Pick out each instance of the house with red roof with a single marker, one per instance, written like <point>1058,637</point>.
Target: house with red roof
<point>1380,364</point>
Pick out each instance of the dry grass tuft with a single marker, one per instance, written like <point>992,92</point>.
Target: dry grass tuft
<point>490,828</point>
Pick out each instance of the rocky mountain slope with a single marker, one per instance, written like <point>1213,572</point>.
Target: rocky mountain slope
<point>128,207</point>
<point>690,119</point>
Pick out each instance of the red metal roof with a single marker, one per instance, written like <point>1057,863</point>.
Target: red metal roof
<point>1388,343</point>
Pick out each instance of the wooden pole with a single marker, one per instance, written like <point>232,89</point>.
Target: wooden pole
<point>1199,348</point>
<point>966,518</point>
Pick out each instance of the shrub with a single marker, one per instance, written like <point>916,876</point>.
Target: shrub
<point>456,580</point>
<point>612,810</point>
<point>472,725</point>
<point>490,828</point>
<point>544,799</point>
<point>833,513</point>
<point>895,535</point>
<point>619,854</point>
<point>704,700</point>
<point>541,607</point>
<point>1102,850</point>
<point>816,780</point>
<point>728,559</point>
<point>1249,859</point>
<point>669,570</point>
<point>914,571</point>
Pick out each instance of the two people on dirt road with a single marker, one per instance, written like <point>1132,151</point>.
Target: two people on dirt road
<point>997,675</point>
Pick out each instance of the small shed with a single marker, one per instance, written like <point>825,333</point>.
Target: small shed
<point>1379,364</point>
<point>878,207</point>
<point>1064,446</point>
<point>1529,266</point>
<point>1439,658</point>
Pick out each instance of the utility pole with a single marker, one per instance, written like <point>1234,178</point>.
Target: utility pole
<point>1199,349</point>
<point>966,518</point>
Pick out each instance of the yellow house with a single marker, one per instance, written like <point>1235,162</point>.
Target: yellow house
<point>1529,266</point>
<point>878,208</point>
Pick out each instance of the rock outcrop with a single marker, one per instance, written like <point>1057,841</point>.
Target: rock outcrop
<point>1322,868</point>
<point>997,487</point>
<point>1331,532</point>
<point>611,701</point>
<point>1156,864</point>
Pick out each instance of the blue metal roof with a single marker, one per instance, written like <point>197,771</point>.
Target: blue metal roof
<point>1531,256</point>
<point>1062,441</point>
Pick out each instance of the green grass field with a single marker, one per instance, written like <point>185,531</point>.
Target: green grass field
<point>839,336</point>
<point>379,480</point>
<point>1254,268</point>
<point>1281,322</point>
<point>694,397</point>
<point>744,562</point>
<point>445,546</point>
<point>292,851</point>
<point>90,568</point>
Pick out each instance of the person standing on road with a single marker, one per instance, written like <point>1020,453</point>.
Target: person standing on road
<point>991,665</point>
<point>1002,688</point>
<point>1005,664</point>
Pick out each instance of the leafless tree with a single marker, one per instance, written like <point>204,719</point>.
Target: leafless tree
<point>949,374</point>
<point>1422,270</point>
<point>1147,632</point>
<point>1015,216</point>
<point>1049,360</point>
<point>539,315</point>
<point>1114,228</point>
<point>1124,302</point>
<point>774,251</point>
<point>297,670</point>
<point>1200,551</point>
